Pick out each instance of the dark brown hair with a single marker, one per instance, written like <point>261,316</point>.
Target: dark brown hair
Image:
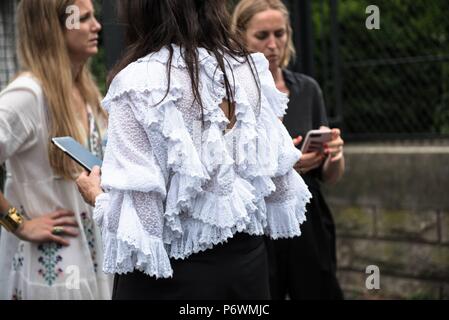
<point>154,24</point>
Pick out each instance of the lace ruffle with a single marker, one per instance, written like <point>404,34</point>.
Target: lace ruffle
<point>127,246</point>
<point>225,211</point>
<point>189,174</point>
<point>256,150</point>
<point>274,98</point>
<point>285,217</point>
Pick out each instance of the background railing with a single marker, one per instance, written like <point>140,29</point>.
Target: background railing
<point>391,83</point>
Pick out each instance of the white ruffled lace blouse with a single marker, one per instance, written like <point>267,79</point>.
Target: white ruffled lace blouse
<point>177,182</point>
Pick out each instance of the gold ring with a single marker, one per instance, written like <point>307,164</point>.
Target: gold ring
<point>57,230</point>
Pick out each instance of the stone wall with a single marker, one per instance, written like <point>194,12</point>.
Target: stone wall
<point>392,210</point>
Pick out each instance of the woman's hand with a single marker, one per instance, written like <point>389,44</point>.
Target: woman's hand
<point>309,161</point>
<point>334,149</point>
<point>334,167</point>
<point>89,185</point>
<point>51,227</point>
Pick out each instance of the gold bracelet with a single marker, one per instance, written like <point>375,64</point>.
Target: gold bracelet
<point>12,221</point>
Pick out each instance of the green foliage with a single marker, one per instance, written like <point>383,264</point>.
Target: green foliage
<point>396,79</point>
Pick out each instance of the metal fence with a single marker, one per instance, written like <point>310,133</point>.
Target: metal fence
<point>8,60</point>
<point>387,83</point>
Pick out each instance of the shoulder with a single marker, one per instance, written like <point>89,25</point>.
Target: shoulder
<point>302,80</point>
<point>141,73</point>
<point>22,94</point>
<point>145,75</point>
<point>257,61</point>
<point>25,82</point>
<point>260,63</point>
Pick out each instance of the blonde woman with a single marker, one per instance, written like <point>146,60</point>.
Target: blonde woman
<point>52,248</point>
<point>303,267</point>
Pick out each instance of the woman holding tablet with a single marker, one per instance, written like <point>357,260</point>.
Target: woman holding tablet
<point>52,249</point>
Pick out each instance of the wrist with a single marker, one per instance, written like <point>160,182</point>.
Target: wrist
<point>95,195</point>
<point>12,221</point>
<point>4,207</point>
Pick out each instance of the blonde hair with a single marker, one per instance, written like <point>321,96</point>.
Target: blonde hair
<point>247,9</point>
<point>43,52</point>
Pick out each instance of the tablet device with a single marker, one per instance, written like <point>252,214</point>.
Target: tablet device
<point>77,152</point>
<point>315,139</point>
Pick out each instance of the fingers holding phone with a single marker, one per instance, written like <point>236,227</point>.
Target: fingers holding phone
<point>317,146</point>
<point>89,185</point>
<point>297,141</point>
<point>315,139</point>
<point>334,148</point>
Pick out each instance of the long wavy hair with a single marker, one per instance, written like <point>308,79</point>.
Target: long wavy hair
<point>153,24</point>
<point>247,9</point>
<point>43,53</point>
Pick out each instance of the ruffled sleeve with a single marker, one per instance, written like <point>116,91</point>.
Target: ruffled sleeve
<point>276,99</point>
<point>286,204</point>
<point>130,214</point>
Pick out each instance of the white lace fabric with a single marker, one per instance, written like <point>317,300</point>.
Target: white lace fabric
<point>177,184</point>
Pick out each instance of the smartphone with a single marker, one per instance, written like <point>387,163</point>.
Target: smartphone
<point>77,152</point>
<point>315,139</point>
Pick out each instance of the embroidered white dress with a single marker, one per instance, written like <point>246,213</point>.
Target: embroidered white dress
<point>177,183</point>
<point>45,271</point>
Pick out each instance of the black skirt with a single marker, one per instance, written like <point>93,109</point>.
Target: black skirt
<point>236,270</point>
<point>304,267</point>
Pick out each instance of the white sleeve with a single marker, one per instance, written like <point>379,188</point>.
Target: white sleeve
<point>17,122</point>
<point>286,205</point>
<point>276,99</point>
<point>130,215</point>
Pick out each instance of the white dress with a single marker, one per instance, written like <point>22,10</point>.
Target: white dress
<point>45,271</point>
<point>177,182</point>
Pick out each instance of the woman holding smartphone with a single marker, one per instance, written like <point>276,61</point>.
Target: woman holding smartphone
<point>52,248</point>
<point>303,267</point>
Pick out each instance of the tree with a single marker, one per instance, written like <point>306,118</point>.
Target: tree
<point>396,79</point>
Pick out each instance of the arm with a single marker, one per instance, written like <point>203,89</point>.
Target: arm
<point>332,163</point>
<point>130,212</point>
<point>18,132</point>
<point>4,206</point>
<point>311,160</point>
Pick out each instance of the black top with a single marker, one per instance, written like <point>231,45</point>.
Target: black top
<point>305,267</point>
<point>306,111</point>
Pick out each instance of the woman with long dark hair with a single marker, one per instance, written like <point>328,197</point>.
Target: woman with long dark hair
<point>197,167</point>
